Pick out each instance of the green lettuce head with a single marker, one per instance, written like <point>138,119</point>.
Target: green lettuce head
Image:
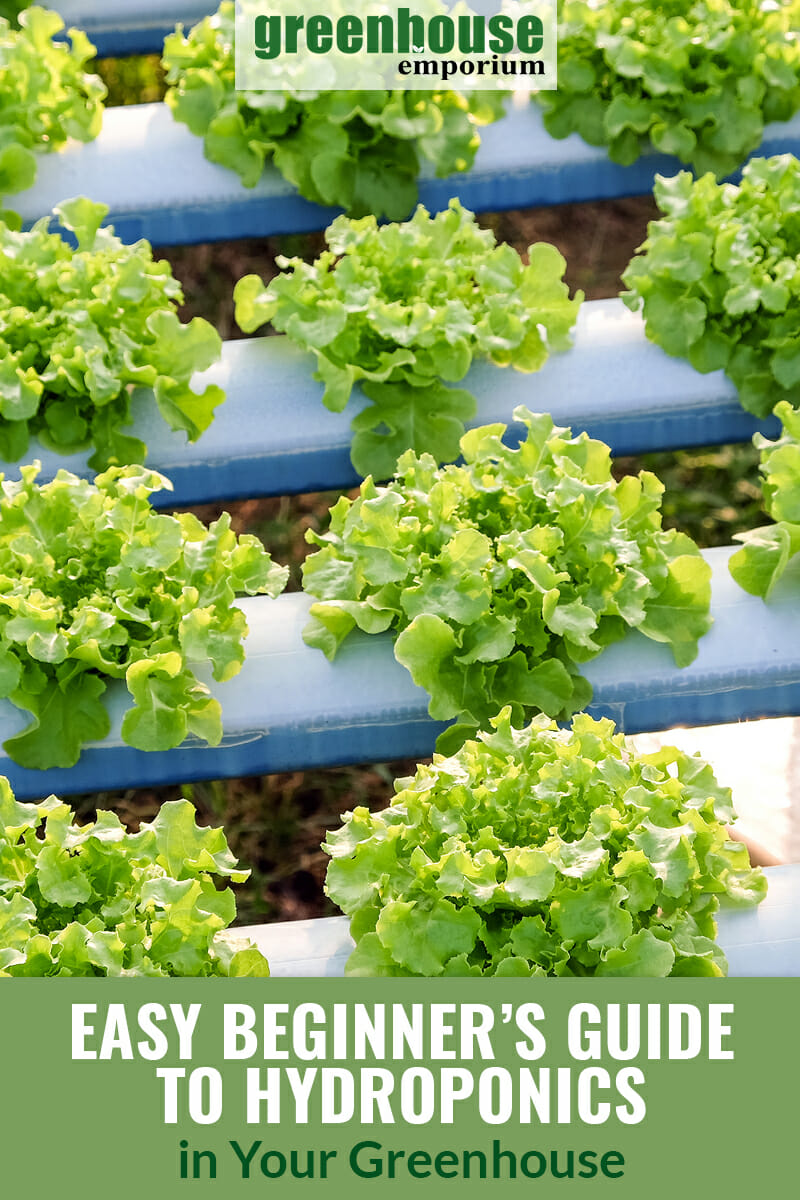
<point>543,851</point>
<point>89,900</point>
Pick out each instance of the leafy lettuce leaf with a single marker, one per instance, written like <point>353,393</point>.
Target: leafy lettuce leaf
<point>542,851</point>
<point>501,575</point>
<point>46,94</point>
<point>359,151</point>
<point>404,309</point>
<point>768,551</point>
<point>95,585</point>
<point>89,900</point>
<point>80,328</point>
<point>695,78</point>
<point>718,276</point>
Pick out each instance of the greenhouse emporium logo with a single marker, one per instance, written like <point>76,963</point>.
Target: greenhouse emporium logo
<point>364,45</point>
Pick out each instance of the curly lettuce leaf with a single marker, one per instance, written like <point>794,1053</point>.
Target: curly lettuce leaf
<point>46,94</point>
<point>717,278</point>
<point>767,552</point>
<point>95,900</point>
<point>696,79</point>
<point>359,151</point>
<point>500,576</point>
<point>404,310</point>
<point>541,851</point>
<point>96,586</point>
<point>80,328</point>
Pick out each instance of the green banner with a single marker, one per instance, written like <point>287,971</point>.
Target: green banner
<point>139,1088</point>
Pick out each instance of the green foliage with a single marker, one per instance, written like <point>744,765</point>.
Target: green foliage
<point>135,80</point>
<point>79,328</point>
<point>359,151</point>
<point>10,10</point>
<point>503,574</point>
<point>712,492</point>
<point>46,94</point>
<point>719,276</point>
<point>96,900</point>
<point>767,552</point>
<point>94,586</point>
<point>541,851</point>
<point>695,79</point>
<point>404,309</point>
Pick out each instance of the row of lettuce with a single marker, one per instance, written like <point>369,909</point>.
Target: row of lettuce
<point>499,576</point>
<point>692,78</point>
<point>528,850</point>
<point>439,553</point>
<point>403,310</point>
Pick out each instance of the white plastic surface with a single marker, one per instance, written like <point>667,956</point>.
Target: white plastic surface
<point>152,173</point>
<point>273,435</point>
<point>290,708</point>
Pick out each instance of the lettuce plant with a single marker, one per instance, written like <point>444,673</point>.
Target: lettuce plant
<point>46,94</point>
<point>766,553</point>
<point>96,586</point>
<point>357,150</point>
<point>80,328</point>
<point>719,275</point>
<point>78,900</point>
<point>695,78</point>
<point>542,851</point>
<point>500,576</point>
<point>404,309</point>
